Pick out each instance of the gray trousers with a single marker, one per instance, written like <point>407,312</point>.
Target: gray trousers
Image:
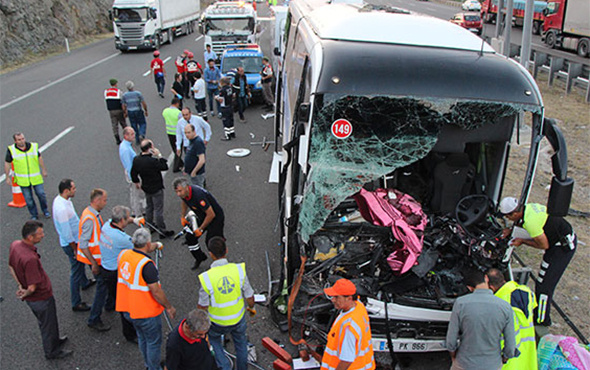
<point>46,316</point>
<point>117,118</point>
<point>267,93</point>
<point>155,209</point>
<point>199,180</point>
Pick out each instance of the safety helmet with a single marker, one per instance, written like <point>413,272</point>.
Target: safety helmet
<point>156,53</point>
<point>190,55</point>
<point>186,51</point>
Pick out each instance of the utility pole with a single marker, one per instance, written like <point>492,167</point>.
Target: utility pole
<point>508,28</point>
<point>527,32</point>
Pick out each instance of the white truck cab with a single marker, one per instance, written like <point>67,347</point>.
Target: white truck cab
<point>229,22</point>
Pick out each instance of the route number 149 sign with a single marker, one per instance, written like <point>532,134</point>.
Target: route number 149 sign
<point>341,128</point>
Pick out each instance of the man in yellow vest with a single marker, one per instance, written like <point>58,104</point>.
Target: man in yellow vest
<point>89,253</point>
<point>140,296</point>
<point>224,288</point>
<point>29,170</point>
<point>522,301</point>
<point>171,116</point>
<point>349,340</point>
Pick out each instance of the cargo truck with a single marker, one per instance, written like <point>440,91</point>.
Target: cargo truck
<point>567,25</point>
<point>390,166</point>
<point>489,10</point>
<point>228,22</point>
<point>146,24</point>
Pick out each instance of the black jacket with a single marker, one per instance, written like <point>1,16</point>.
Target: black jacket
<point>150,170</point>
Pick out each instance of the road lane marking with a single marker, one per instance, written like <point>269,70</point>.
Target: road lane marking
<point>198,38</point>
<point>170,164</point>
<point>146,73</point>
<point>57,81</point>
<point>264,19</point>
<point>47,145</point>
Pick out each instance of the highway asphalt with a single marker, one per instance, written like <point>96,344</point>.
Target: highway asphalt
<point>63,95</point>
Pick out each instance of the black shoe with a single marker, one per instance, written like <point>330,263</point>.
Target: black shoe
<point>81,307</point>
<point>132,340</point>
<point>167,234</point>
<point>91,282</point>
<point>99,326</point>
<point>63,340</point>
<point>118,140</point>
<point>61,354</point>
<point>196,265</point>
<point>109,309</point>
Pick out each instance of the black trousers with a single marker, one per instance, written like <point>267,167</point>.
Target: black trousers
<point>46,315</point>
<point>227,117</point>
<point>178,163</point>
<point>110,278</point>
<point>553,265</point>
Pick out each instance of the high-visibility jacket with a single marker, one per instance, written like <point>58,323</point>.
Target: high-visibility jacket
<point>27,171</point>
<point>357,321</point>
<point>133,293</point>
<point>224,285</point>
<point>523,325</point>
<point>171,115</point>
<point>93,245</point>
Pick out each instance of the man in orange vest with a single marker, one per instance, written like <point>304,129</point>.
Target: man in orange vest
<point>140,296</point>
<point>349,340</point>
<point>89,253</point>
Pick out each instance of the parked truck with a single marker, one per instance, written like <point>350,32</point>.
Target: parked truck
<point>567,25</point>
<point>489,11</point>
<point>390,176</point>
<point>146,24</point>
<point>228,22</point>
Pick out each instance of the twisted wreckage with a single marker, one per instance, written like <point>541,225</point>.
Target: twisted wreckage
<point>389,175</point>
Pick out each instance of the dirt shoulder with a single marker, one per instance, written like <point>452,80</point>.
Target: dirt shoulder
<point>572,293</point>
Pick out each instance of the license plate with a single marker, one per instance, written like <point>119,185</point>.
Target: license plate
<point>409,345</point>
<point>132,47</point>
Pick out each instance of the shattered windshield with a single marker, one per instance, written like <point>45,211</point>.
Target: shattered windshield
<point>387,133</point>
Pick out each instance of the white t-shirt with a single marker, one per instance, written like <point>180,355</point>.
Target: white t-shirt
<point>199,89</point>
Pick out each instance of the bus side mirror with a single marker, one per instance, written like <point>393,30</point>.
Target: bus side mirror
<point>303,112</point>
<point>111,15</point>
<point>545,12</point>
<point>277,52</point>
<point>560,193</point>
<point>560,196</point>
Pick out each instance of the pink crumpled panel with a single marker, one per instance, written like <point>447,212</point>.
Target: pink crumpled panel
<point>576,354</point>
<point>405,217</point>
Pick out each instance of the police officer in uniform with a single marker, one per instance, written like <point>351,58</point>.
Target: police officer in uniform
<point>555,236</point>
<point>209,214</point>
<point>112,96</point>
<point>224,288</point>
<point>225,99</point>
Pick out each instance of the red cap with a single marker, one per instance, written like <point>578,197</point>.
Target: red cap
<point>156,53</point>
<point>342,287</point>
<point>190,55</point>
<point>186,51</point>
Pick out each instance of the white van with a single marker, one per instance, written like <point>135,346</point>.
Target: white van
<point>374,97</point>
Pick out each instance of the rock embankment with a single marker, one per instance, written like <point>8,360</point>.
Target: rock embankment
<point>35,26</point>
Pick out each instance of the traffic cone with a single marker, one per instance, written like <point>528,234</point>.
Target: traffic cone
<point>18,200</point>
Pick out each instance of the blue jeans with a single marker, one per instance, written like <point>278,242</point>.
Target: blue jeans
<point>137,121</point>
<point>100,298</point>
<point>160,83</point>
<point>28,194</point>
<point>238,334</point>
<point>211,95</point>
<point>149,339</point>
<point>78,277</point>
<point>242,105</point>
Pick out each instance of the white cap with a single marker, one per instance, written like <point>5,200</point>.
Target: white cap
<point>508,205</point>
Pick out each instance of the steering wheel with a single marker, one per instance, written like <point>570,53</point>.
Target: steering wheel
<point>472,215</point>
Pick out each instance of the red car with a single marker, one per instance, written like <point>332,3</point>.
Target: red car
<point>471,21</point>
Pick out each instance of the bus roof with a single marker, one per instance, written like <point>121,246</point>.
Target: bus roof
<point>383,24</point>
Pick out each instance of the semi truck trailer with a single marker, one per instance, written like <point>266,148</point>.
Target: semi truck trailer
<point>567,26</point>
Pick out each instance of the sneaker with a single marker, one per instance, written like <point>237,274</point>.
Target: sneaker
<point>34,218</point>
<point>61,354</point>
<point>47,215</point>
<point>81,307</point>
<point>99,326</point>
<point>242,120</point>
<point>226,138</point>
<point>219,115</point>
<point>63,340</point>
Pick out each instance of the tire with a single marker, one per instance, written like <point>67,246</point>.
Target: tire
<point>170,36</point>
<point>583,47</point>
<point>551,39</point>
<point>536,28</point>
<point>158,41</point>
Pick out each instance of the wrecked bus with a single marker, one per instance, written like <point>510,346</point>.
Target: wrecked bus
<point>393,135</point>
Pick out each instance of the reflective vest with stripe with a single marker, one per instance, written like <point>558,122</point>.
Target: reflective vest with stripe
<point>171,115</point>
<point>523,326</point>
<point>93,245</point>
<point>27,171</point>
<point>133,293</point>
<point>224,285</point>
<point>357,322</point>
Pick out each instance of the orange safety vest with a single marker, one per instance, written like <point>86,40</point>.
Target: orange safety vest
<point>133,293</point>
<point>357,321</point>
<point>93,246</point>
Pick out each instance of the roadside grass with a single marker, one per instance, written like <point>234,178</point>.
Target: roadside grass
<point>572,293</point>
